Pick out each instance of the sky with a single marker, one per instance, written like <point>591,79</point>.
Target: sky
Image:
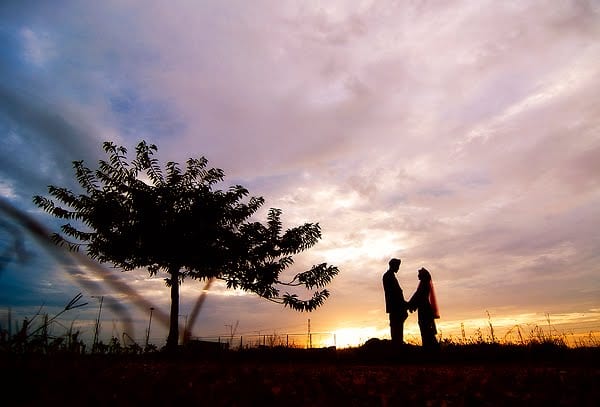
<point>460,136</point>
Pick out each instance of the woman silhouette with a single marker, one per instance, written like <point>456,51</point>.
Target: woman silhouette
<point>425,302</point>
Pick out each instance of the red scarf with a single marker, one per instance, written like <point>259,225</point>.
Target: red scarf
<point>433,301</point>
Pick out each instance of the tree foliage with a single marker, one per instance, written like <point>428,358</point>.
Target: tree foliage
<point>135,214</point>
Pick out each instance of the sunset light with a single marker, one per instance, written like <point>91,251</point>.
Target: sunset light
<point>461,138</point>
<point>300,203</point>
<point>352,337</point>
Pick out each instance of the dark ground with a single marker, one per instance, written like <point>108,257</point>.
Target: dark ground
<point>326,377</point>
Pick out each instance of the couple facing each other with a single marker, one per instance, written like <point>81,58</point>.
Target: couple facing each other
<point>423,301</point>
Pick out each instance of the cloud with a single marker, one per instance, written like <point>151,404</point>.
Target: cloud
<point>459,136</point>
<point>38,48</point>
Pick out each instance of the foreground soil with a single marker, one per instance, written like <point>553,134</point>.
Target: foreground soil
<point>259,380</point>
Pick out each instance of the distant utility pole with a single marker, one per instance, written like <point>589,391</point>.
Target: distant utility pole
<point>309,335</point>
<point>149,324</point>
<point>97,329</point>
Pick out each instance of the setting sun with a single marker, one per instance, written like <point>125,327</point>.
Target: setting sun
<point>351,337</point>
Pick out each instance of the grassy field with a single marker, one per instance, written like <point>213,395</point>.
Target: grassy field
<point>367,376</point>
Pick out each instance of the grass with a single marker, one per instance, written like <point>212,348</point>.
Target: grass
<point>370,375</point>
<point>538,369</point>
<point>34,338</point>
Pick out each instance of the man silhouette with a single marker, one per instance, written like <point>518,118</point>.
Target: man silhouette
<point>395,305</point>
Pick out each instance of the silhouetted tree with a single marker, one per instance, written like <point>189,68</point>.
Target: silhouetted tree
<point>134,215</point>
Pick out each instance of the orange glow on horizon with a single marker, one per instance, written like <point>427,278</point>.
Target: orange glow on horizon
<point>574,329</point>
<point>353,337</point>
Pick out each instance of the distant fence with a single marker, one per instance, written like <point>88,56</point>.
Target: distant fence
<point>312,340</point>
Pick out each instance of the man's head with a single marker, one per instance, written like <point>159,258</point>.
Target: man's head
<point>394,264</point>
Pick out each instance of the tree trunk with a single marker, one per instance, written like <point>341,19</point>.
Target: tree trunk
<point>173,337</point>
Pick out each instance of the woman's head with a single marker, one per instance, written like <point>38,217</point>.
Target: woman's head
<point>424,274</point>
